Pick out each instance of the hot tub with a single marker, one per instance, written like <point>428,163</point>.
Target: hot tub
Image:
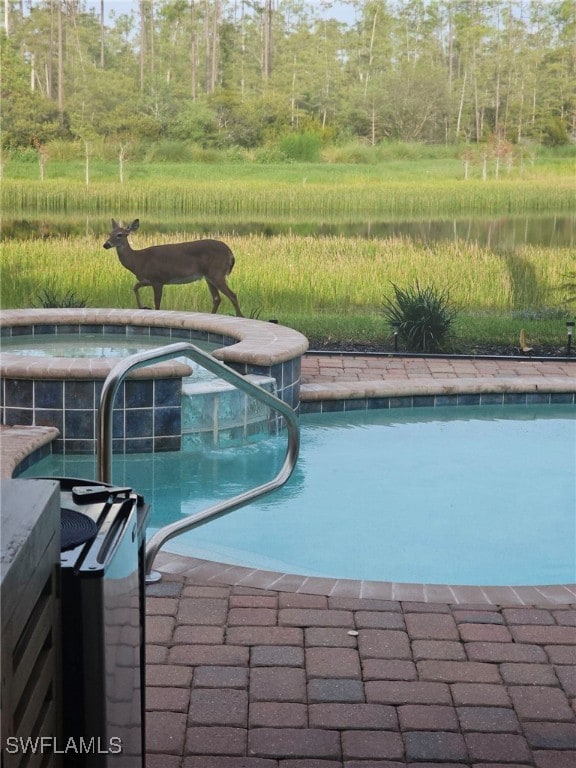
<point>64,392</point>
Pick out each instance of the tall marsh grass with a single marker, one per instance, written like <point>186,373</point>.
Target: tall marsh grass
<point>293,278</point>
<point>359,197</point>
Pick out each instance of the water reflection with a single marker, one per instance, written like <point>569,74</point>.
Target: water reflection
<point>506,232</point>
<point>503,233</point>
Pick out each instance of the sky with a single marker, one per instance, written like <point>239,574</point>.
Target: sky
<point>334,9</point>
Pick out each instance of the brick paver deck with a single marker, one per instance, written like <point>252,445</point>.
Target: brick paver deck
<point>319,674</point>
<point>326,377</point>
<point>338,368</point>
<point>240,677</point>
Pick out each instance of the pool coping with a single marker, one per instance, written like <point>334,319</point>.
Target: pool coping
<point>22,446</point>
<point>257,343</point>
<point>216,573</point>
<point>489,385</point>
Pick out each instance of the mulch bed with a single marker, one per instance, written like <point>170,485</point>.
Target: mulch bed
<point>490,350</point>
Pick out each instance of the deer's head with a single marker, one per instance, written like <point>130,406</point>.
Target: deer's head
<point>119,234</point>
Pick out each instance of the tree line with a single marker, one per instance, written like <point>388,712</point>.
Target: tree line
<point>253,73</point>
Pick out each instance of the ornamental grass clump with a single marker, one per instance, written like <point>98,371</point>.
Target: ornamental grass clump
<point>422,317</point>
<point>49,299</point>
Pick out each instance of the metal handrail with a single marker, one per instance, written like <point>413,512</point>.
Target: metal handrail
<point>168,352</point>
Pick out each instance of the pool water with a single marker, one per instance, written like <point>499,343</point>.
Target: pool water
<point>466,495</point>
<point>88,344</point>
<point>97,345</point>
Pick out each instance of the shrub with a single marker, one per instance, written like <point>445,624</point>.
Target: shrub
<point>569,287</point>
<point>169,151</point>
<point>555,132</point>
<point>304,147</point>
<point>422,317</point>
<point>50,300</point>
<point>352,152</point>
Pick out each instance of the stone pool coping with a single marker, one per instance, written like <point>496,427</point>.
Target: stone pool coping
<point>22,446</point>
<point>258,343</point>
<point>350,377</point>
<point>312,392</point>
<point>216,574</point>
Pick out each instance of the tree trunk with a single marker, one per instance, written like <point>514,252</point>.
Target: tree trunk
<point>101,34</point>
<point>497,103</point>
<point>370,53</point>
<point>87,149</point>
<point>477,112</point>
<point>461,105</point>
<point>193,51</point>
<point>211,45</point>
<point>267,40</point>
<point>212,50</point>
<point>60,59</point>
<point>293,114</point>
<point>50,61</point>
<point>121,158</point>
<point>142,42</point>
<point>152,51</point>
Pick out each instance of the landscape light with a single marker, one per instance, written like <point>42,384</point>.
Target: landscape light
<point>395,327</point>
<point>570,331</point>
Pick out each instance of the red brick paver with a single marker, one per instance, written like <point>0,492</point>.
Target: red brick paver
<point>327,368</point>
<point>343,682</point>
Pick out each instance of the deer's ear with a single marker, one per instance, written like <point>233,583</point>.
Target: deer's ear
<point>134,226</point>
<point>115,224</point>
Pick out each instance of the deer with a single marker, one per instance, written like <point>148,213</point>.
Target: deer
<point>175,264</point>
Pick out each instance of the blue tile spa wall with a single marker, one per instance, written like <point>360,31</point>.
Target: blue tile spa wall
<point>146,416</point>
<point>286,374</point>
<point>433,401</point>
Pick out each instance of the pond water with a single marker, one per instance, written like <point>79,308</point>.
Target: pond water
<point>505,232</point>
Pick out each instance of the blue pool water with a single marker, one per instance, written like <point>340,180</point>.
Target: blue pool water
<point>479,496</point>
<point>98,345</point>
<point>88,344</point>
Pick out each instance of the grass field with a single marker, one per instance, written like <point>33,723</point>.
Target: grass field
<point>330,287</point>
<point>352,196</point>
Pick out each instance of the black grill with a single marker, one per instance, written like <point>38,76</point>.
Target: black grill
<point>102,568</point>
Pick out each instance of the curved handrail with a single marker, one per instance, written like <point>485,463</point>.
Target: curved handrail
<point>168,352</point>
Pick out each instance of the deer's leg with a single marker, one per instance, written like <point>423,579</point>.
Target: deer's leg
<point>157,295</point>
<point>137,294</point>
<point>229,293</point>
<point>216,299</point>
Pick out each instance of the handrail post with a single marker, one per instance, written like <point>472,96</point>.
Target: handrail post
<point>168,352</point>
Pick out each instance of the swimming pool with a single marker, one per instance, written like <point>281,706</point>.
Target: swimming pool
<point>466,495</point>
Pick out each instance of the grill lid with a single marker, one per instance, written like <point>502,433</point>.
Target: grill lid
<point>75,528</point>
